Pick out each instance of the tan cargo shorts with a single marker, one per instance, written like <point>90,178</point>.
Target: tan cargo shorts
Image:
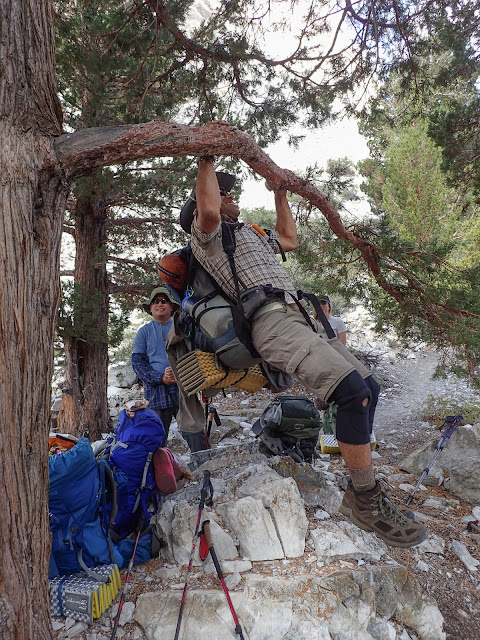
<point>284,339</point>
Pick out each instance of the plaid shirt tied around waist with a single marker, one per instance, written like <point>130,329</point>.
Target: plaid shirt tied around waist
<point>159,395</point>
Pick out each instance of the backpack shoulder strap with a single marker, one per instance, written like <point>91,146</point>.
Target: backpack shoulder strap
<point>312,298</point>
<point>108,484</point>
<point>228,236</point>
<point>277,242</point>
<point>229,245</point>
<point>268,232</point>
<point>89,571</point>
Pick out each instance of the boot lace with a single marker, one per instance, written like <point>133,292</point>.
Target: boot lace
<point>390,511</point>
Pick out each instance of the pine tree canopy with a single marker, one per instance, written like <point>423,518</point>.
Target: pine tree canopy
<point>121,65</point>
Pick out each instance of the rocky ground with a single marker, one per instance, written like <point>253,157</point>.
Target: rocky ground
<point>407,383</point>
<point>408,388</point>
<point>399,431</point>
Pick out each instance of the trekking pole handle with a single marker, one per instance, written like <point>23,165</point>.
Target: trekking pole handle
<point>208,538</point>
<point>473,527</point>
<point>206,480</point>
<point>205,487</point>
<point>215,416</point>
<point>208,535</point>
<point>451,422</point>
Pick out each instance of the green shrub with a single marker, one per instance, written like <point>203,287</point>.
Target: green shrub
<point>435,410</point>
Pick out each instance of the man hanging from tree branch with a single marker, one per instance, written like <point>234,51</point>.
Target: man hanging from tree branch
<point>285,340</point>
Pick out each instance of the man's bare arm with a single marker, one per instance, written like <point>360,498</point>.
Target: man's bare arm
<point>208,196</point>
<point>285,226</point>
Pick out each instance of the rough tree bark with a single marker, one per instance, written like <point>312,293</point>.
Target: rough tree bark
<point>34,180</point>
<point>84,409</point>
<point>33,195</point>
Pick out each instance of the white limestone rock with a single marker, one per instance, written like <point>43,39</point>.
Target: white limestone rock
<point>252,525</point>
<point>345,541</point>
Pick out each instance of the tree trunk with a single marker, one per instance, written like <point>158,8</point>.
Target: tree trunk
<point>84,410</point>
<point>33,195</point>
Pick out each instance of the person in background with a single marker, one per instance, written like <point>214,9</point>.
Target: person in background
<point>149,358</point>
<point>337,324</point>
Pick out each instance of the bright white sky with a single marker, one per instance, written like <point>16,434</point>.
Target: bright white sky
<point>336,141</point>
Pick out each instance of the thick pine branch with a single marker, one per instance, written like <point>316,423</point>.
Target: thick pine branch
<point>89,149</point>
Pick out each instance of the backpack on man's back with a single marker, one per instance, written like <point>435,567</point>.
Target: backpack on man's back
<point>213,323</point>
<point>209,319</point>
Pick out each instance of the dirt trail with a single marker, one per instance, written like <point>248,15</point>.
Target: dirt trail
<point>407,384</point>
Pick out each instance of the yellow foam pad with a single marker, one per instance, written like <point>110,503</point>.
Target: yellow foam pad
<point>198,370</point>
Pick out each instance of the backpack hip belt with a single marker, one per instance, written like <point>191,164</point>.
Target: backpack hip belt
<point>266,308</point>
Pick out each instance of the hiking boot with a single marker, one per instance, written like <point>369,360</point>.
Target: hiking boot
<point>373,511</point>
<point>195,441</point>
<point>349,500</point>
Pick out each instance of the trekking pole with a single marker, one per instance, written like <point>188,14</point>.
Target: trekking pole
<point>208,537</point>
<point>451,423</point>
<point>122,595</point>
<point>233,430</point>
<point>206,488</point>
<point>208,424</point>
<point>210,415</point>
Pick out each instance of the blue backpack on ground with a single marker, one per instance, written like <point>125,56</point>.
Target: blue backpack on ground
<point>97,505</point>
<point>129,454</point>
<point>80,537</point>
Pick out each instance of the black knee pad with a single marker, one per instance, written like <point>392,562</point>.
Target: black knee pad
<point>375,390</point>
<point>353,425</point>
